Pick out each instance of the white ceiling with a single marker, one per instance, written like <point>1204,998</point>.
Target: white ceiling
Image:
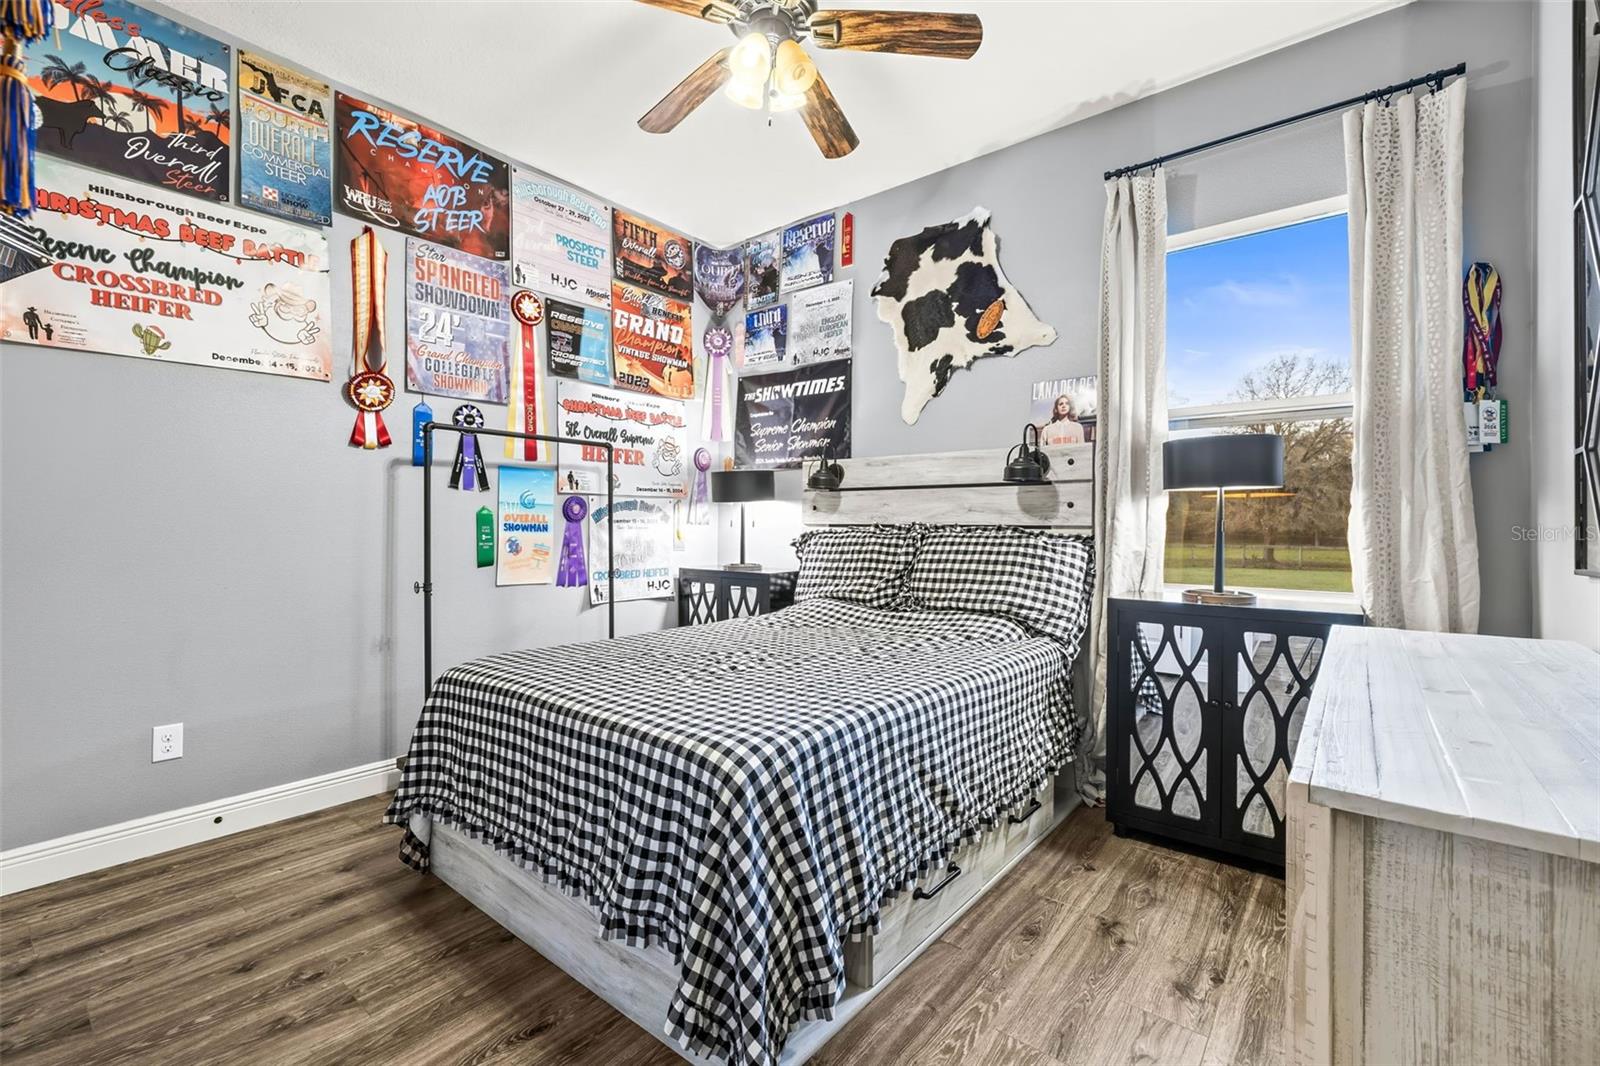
<point>559,84</point>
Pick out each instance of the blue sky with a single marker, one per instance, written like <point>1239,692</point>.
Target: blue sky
<point>1235,304</point>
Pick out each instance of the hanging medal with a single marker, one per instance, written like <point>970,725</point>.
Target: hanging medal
<point>421,415</point>
<point>523,413</point>
<point>485,537</point>
<point>718,411</point>
<point>369,390</point>
<point>700,496</point>
<point>469,473</point>
<point>572,570</point>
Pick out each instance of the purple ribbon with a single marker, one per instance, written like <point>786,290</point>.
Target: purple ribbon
<point>469,472</point>
<point>700,501</point>
<point>572,571</point>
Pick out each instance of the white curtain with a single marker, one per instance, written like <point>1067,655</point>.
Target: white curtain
<point>1413,545</point>
<point>1130,514</point>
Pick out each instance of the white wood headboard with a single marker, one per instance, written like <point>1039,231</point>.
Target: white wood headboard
<point>958,488</point>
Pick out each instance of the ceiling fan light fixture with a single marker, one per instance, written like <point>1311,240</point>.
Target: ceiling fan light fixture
<point>786,102</point>
<point>751,59</point>
<point>793,71</point>
<point>746,94</point>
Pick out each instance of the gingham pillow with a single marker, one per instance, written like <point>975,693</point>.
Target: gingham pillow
<point>1040,580</point>
<point>860,564</point>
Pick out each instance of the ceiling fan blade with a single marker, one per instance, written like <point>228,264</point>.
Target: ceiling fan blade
<point>921,33</point>
<point>690,93</point>
<point>828,126</point>
<point>710,10</point>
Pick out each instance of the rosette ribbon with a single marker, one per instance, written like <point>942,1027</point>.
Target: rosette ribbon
<point>469,472</point>
<point>700,497</point>
<point>522,414</point>
<point>718,410</point>
<point>368,389</point>
<point>572,570</point>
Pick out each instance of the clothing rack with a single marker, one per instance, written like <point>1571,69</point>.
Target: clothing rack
<point>424,588</point>
<point>1436,79</point>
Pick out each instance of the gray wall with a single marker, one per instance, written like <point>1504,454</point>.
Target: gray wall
<point>188,544</point>
<point>196,545</point>
<point>1047,200</point>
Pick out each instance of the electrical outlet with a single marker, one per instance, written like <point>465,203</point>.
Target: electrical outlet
<point>166,742</point>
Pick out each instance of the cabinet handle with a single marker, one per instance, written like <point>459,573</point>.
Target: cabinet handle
<point>955,872</point>
<point>1033,809</point>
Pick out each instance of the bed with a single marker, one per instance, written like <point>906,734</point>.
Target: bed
<point>737,833</point>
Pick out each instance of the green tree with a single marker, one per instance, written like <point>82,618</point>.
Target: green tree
<point>1316,458</point>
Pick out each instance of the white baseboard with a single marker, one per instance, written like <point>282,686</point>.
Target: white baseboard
<point>55,860</point>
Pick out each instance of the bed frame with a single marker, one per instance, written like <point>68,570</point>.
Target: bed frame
<point>953,488</point>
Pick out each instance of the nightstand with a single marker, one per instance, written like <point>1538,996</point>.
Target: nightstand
<point>1203,711</point>
<point>715,595</point>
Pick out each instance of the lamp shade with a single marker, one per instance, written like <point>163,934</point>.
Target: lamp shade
<point>741,486</point>
<point>1223,461</point>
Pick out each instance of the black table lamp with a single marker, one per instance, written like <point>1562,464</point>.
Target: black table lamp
<point>741,487</point>
<point>1218,463</point>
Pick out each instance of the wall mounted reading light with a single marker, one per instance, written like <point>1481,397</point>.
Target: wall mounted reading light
<point>1026,463</point>
<point>827,475</point>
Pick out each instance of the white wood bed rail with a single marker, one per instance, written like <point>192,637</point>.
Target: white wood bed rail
<point>959,488</point>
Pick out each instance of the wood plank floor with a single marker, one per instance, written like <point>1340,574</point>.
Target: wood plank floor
<point>308,942</point>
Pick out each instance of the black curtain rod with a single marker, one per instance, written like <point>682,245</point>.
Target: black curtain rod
<point>1436,79</point>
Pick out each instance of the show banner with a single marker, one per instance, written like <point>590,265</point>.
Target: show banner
<point>808,253</point>
<point>395,172</point>
<point>786,419</point>
<point>580,342</point>
<point>762,272</point>
<point>525,526</point>
<point>458,324</point>
<point>648,434</point>
<point>652,342</point>
<point>651,256</point>
<point>285,142</point>
<point>123,90</point>
<point>819,323</point>
<point>766,336</point>
<point>643,532</point>
<point>140,272</point>
<point>719,279</point>
<point>560,240</point>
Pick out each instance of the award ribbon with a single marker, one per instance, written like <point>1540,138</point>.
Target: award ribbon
<point>523,413</point>
<point>572,569</point>
<point>369,390</point>
<point>421,415</point>
<point>485,537</point>
<point>700,499</point>
<point>469,472</point>
<point>719,346</point>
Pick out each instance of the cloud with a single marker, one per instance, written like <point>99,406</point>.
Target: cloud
<point>1285,293</point>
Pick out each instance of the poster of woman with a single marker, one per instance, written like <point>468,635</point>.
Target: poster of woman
<point>1065,409</point>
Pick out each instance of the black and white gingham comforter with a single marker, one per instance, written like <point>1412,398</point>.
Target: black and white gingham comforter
<point>746,794</point>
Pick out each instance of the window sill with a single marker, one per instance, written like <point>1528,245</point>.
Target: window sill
<point>1289,599</point>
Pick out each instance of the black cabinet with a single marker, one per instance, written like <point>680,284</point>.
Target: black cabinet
<point>1203,711</point>
<point>717,595</point>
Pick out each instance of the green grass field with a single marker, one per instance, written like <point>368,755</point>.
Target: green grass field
<point>1302,568</point>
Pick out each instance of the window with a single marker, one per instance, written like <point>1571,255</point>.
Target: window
<point>1258,340</point>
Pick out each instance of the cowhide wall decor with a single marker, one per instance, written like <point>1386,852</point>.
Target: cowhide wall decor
<point>948,302</point>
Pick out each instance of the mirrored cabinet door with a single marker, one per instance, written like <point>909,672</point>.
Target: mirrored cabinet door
<point>1167,739</point>
<point>1271,678</point>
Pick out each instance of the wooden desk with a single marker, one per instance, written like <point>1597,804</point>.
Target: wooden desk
<point>1444,853</point>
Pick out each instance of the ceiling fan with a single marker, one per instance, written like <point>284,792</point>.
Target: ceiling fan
<point>768,69</point>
